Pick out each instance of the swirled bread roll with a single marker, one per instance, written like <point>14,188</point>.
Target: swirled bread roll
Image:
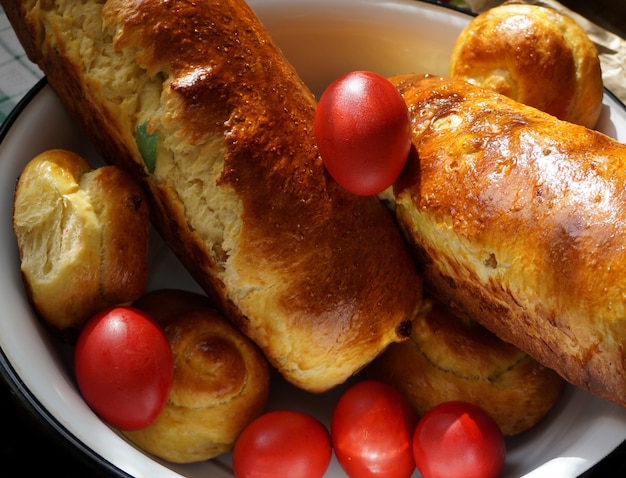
<point>452,357</point>
<point>531,240</point>
<point>221,380</point>
<point>197,101</point>
<point>82,235</point>
<point>535,55</point>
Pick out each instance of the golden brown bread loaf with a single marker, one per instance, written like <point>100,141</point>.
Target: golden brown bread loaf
<point>221,380</point>
<point>82,235</point>
<point>534,55</point>
<point>531,240</point>
<point>238,189</point>
<point>452,357</point>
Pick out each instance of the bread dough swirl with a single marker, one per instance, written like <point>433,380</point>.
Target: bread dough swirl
<point>535,55</point>
<point>452,357</point>
<point>531,240</point>
<point>221,380</point>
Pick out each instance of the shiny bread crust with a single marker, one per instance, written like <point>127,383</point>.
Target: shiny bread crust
<point>221,380</point>
<point>535,55</point>
<point>82,236</point>
<point>519,220</point>
<point>320,279</point>
<point>452,357</point>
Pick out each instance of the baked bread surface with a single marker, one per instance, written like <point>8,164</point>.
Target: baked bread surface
<point>82,235</point>
<point>452,357</point>
<point>530,241</point>
<point>238,189</point>
<point>535,55</point>
<point>221,380</point>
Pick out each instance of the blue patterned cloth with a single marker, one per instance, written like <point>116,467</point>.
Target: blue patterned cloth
<point>17,73</point>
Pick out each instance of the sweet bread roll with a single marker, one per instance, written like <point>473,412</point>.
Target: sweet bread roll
<point>221,380</point>
<point>531,240</point>
<point>451,357</point>
<point>197,101</point>
<point>534,55</point>
<point>82,235</point>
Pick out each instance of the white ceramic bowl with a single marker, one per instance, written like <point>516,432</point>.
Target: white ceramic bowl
<point>323,39</point>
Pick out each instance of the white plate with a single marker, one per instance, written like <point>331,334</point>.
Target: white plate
<point>323,38</point>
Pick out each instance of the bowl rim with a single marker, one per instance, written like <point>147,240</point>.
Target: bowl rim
<point>38,414</point>
<point>43,418</point>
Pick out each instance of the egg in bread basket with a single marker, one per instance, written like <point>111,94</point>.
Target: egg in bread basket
<point>223,145</point>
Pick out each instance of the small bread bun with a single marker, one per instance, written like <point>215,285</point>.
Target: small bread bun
<point>534,55</point>
<point>221,380</point>
<point>82,235</point>
<point>451,357</point>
